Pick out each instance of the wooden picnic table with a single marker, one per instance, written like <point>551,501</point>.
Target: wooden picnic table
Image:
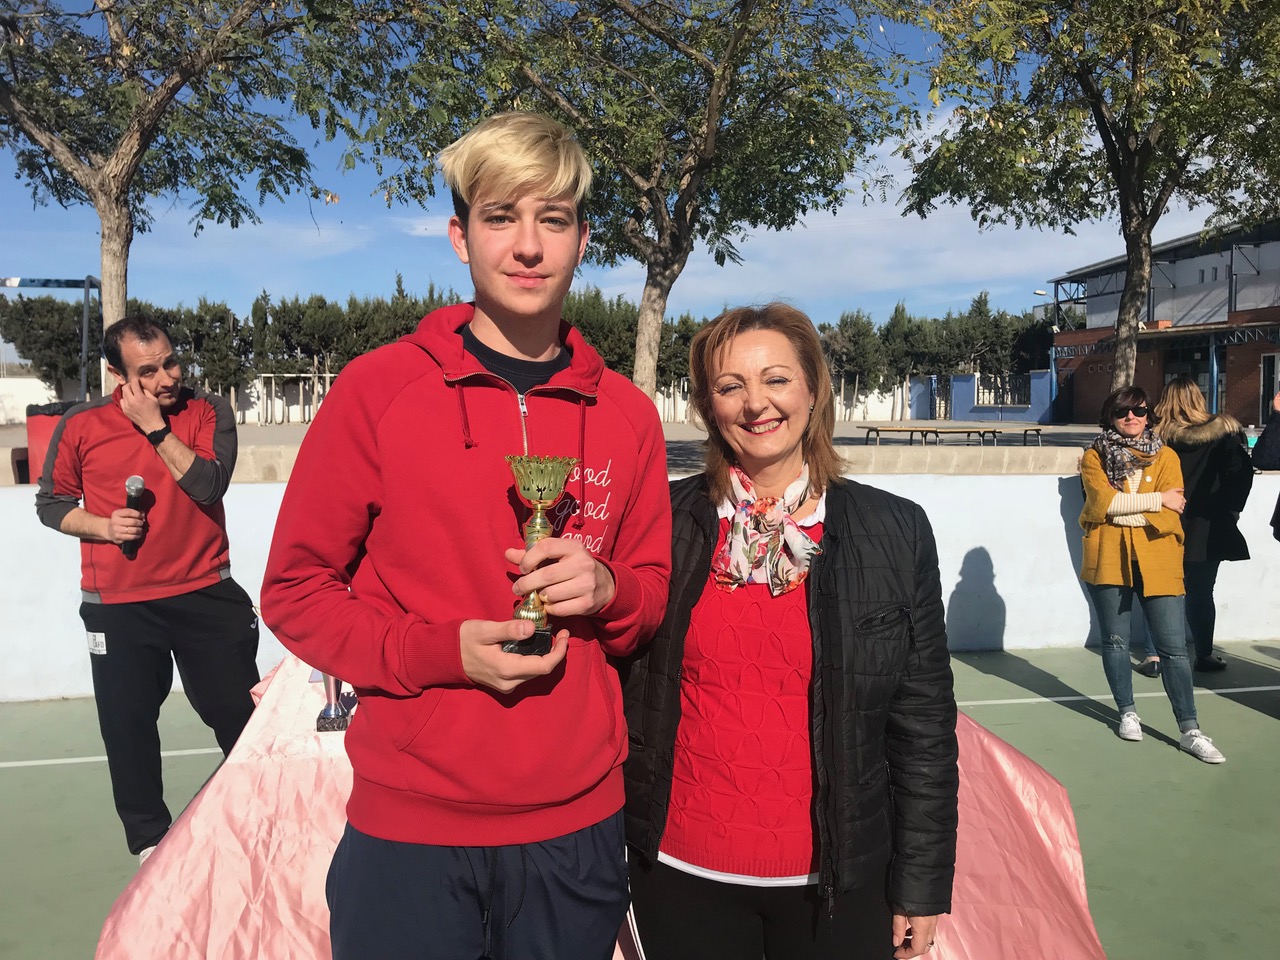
<point>982,433</point>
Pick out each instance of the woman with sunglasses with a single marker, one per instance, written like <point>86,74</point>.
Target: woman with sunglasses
<point>1218,475</point>
<point>1133,502</point>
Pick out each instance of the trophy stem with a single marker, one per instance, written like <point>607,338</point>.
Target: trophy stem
<point>537,527</point>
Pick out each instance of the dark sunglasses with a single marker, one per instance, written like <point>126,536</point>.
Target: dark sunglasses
<point>1119,413</point>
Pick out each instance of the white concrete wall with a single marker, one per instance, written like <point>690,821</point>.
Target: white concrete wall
<point>865,405</point>
<point>17,392</point>
<point>1008,549</point>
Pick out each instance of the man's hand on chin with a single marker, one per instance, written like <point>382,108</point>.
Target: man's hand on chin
<point>142,408</point>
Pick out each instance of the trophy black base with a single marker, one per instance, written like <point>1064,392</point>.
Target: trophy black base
<point>536,646</point>
<point>331,724</point>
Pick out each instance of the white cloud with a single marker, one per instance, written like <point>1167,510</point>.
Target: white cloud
<point>424,226</point>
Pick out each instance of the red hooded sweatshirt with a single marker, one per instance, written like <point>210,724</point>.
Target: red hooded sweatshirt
<point>391,534</point>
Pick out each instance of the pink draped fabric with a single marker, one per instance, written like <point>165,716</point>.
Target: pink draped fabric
<point>241,874</point>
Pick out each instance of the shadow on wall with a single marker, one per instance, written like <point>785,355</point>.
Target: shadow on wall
<point>975,632</point>
<point>1070,504</point>
<point>1071,501</point>
<point>976,611</point>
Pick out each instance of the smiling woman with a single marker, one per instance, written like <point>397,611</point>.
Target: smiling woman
<point>759,767</point>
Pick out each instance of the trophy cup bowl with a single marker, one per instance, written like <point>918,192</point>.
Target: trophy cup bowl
<point>539,484</point>
<point>334,715</point>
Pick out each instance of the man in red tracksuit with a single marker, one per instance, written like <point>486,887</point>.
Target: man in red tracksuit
<point>484,817</point>
<point>173,598</point>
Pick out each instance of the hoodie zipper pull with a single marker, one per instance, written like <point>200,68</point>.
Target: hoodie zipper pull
<point>524,422</point>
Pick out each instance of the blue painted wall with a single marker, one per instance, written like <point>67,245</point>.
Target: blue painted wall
<point>964,406</point>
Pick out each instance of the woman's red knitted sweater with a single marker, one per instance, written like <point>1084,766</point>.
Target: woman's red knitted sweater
<point>741,793</point>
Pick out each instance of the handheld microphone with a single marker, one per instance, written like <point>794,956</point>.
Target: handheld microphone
<point>134,487</point>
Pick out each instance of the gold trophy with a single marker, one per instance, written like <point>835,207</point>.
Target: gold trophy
<point>539,483</point>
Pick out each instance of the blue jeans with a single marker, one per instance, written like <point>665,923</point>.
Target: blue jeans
<point>1167,626</point>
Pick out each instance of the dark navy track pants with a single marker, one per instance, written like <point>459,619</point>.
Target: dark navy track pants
<point>561,899</point>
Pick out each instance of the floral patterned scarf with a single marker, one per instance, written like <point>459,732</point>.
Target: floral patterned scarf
<point>1122,455</point>
<point>763,541</point>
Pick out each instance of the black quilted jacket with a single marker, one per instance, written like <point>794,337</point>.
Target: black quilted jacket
<point>883,716</point>
<point>1266,456</point>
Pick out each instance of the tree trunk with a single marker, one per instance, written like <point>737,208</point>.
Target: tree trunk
<point>653,305</point>
<point>117,237</point>
<point>1133,305</point>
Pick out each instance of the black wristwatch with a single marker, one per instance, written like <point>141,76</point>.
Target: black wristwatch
<point>156,437</point>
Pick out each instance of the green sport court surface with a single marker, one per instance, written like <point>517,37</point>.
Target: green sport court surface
<point>1181,858</point>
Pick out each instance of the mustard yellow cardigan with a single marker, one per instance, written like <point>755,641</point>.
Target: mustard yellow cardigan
<point>1110,550</point>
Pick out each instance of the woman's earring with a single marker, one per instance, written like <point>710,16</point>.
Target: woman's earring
<point>811,408</point>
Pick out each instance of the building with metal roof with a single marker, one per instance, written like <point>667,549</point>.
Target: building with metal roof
<point>1213,312</point>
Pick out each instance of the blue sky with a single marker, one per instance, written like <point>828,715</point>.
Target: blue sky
<point>865,256</point>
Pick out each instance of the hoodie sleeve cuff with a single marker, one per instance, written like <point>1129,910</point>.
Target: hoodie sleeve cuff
<point>433,654</point>
<point>627,597</point>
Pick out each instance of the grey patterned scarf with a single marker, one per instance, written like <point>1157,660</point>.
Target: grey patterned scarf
<point>1122,455</point>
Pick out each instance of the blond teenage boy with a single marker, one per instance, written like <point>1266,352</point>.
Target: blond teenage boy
<point>484,817</point>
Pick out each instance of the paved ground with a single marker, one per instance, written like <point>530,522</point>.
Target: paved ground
<point>1180,857</point>
<point>14,435</point>
<point>684,441</point>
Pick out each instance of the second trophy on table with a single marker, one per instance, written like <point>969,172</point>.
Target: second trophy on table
<point>540,483</point>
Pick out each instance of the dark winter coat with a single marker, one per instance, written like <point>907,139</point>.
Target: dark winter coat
<point>1217,478</point>
<point>883,718</point>
<point>1266,456</point>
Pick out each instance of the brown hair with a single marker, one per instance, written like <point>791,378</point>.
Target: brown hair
<point>708,345</point>
<point>1130,396</point>
<point>515,153</point>
<point>140,328</point>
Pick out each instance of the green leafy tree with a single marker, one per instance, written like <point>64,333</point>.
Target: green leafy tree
<point>389,320</point>
<point>673,356</point>
<point>706,118</point>
<point>46,332</point>
<point>854,351</point>
<point>909,344</point>
<point>316,336</point>
<point>116,102</point>
<point>216,347</point>
<point>608,325</point>
<point>1031,344</point>
<point>1071,112</point>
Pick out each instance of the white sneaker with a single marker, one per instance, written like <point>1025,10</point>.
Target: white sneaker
<point>1200,747</point>
<point>142,855</point>
<point>1130,726</point>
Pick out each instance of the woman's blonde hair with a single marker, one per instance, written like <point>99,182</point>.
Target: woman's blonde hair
<point>1181,405</point>
<point>705,351</point>
<point>513,154</point>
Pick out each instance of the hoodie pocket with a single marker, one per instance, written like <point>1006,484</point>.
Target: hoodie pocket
<point>552,739</point>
